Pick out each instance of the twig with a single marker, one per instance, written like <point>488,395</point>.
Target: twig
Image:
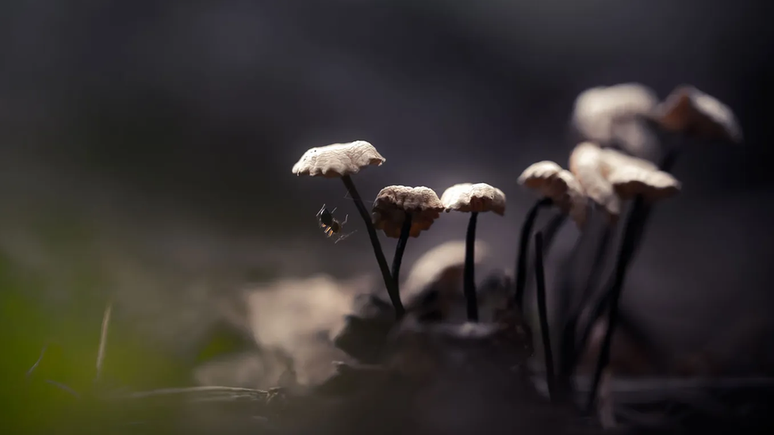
<point>206,392</point>
<point>37,363</point>
<point>103,340</point>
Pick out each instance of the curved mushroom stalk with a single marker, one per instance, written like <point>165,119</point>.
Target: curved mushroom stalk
<point>389,281</point>
<point>558,187</point>
<point>521,261</point>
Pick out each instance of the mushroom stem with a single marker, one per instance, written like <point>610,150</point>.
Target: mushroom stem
<point>543,314</point>
<point>469,274</point>
<point>521,262</point>
<point>632,236</point>
<point>570,349</point>
<point>389,282</point>
<point>635,220</point>
<point>396,261</point>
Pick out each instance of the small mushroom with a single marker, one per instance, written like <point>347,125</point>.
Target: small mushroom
<point>617,115</point>
<point>474,199</point>
<point>691,111</point>
<point>558,187</point>
<point>342,160</point>
<point>630,181</point>
<point>401,211</point>
<point>631,176</point>
<point>564,190</point>
<point>586,165</point>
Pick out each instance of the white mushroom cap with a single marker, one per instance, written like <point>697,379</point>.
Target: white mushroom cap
<point>586,165</point>
<point>338,159</point>
<point>560,185</point>
<point>616,114</point>
<point>479,197</point>
<point>630,181</point>
<point>393,202</point>
<point>690,110</point>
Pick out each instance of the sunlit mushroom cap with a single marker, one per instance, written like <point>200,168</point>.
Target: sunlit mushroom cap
<point>479,197</point>
<point>691,111</point>
<point>653,185</point>
<point>551,181</point>
<point>393,202</point>
<point>338,159</point>
<point>586,165</point>
<point>617,114</point>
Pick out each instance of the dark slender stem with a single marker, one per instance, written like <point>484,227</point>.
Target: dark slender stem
<point>635,219</point>
<point>543,313</point>
<point>632,238</point>
<point>551,229</point>
<point>570,353</point>
<point>389,282</point>
<point>398,258</point>
<point>521,262</point>
<point>469,277</point>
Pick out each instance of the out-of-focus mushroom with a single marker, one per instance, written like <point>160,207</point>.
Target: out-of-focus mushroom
<point>342,160</point>
<point>401,211</point>
<point>630,181</point>
<point>586,165</point>
<point>618,116</point>
<point>434,283</point>
<point>473,198</point>
<point>695,113</point>
<point>631,176</point>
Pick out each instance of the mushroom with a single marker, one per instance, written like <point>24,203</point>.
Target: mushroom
<point>560,186</point>
<point>617,115</point>
<point>691,111</point>
<point>473,199</point>
<point>433,286</point>
<point>631,176</point>
<point>401,211</point>
<point>342,160</point>
<point>557,186</point>
<point>586,165</point>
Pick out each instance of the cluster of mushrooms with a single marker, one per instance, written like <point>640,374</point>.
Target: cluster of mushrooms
<point>402,211</point>
<point>621,158</point>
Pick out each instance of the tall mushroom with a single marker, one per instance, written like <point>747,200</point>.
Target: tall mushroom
<point>556,186</point>
<point>645,184</point>
<point>342,160</point>
<point>473,199</point>
<point>402,211</point>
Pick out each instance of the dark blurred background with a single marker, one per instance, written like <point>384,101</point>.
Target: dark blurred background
<point>146,148</point>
